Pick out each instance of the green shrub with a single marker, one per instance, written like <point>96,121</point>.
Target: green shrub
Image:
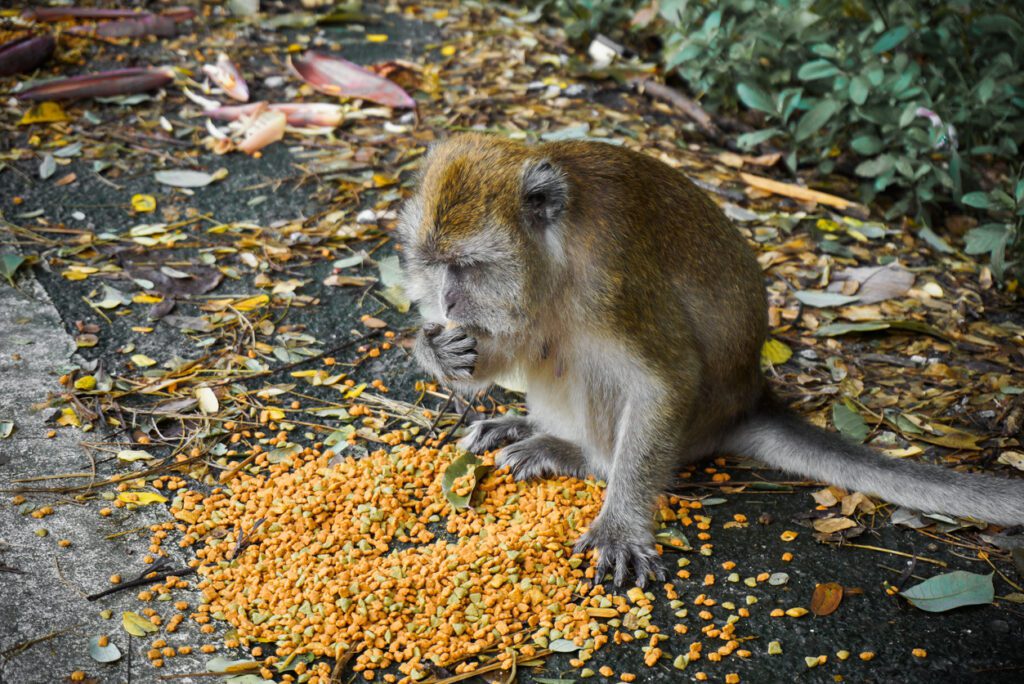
<point>923,101</point>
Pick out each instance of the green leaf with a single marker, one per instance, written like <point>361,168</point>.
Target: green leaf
<point>9,263</point>
<point>749,140</point>
<point>466,464</point>
<point>224,666</point>
<point>936,242</point>
<point>986,238</point>
<point>823,299</point>
<point>978,200</point>
<point>873,168</point>
<point>866,145</point>
<point>890,39</point>
<point>952,590</point>
<point>813,120</point>
<point>136,625</point>
<point>819,68</point>
<point>849,423</point>
<point>6,428</point>
<point>103,654</point>
<point>673,538</point>
<point>859,89</point>
<point>563,646</point>
<point>755,98</point>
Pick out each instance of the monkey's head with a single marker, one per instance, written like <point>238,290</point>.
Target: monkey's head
<point>481,238</point>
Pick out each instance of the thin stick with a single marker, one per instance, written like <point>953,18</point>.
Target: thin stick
<point>142,581</point>
<point>897,553</point>
<point>18,648</point>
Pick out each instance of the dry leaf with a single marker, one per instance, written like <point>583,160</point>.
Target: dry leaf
<point>826,598</point>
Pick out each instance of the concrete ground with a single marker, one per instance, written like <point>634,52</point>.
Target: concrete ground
<point>46,622</point>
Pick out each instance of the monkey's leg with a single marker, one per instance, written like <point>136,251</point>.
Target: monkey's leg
<point>622,533</point>
<point>484,435</point>
<point>543,456</point>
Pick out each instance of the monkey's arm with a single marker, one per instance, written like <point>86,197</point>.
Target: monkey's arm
<point>622,533</point>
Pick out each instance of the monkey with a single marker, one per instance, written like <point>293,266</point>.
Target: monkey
<point>634,314</point>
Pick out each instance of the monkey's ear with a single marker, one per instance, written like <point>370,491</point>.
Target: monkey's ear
<point>545,193</point>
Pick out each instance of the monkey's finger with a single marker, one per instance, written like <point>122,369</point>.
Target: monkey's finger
<point>432,330</point>
<point>621,567</point>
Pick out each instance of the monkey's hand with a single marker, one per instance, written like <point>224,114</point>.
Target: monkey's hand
<point>625,553</point>
<point>448,354</point>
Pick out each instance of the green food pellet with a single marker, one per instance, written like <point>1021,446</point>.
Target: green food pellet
<point>774,648</point>
<point>681,662</point>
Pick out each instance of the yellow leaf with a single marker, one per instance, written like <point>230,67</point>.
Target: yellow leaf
<point>75,275</point>
<point>208,403</point>
<point>382,180</point>
<point>377,37</point>
<point>141,498</point>
<point>827,225</point>
<point>142,298</point>
<point>143,361</point>
<point>252,303</point>
<point>86,383</point>
<point>68,417</point>
<point>304,373</point>
<point>143,203</point>
<point>355,391</point>
<point>44,112</point>
<point>775,352</point>
<point>448,50</point>
<point>136,625</point>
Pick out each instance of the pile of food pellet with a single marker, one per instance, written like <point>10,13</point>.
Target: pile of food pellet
<point>307,553</point>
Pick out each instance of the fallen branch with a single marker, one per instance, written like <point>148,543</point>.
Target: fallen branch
<point>691,108</point>
<point>799,192</point>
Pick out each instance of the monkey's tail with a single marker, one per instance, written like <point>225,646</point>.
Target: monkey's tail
<point>778,437</point>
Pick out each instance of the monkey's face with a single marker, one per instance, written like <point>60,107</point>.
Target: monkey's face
<point>478,242</point>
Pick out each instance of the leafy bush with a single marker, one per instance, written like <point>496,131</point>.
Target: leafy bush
<point>922,100</point>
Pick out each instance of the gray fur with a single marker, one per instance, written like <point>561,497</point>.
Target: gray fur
<point>485,435</point>
<point>542,456</point>
<point>789,443</point>
<point>448,354</point>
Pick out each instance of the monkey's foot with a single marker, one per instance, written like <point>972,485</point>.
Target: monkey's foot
<point>484,435</point>
<point>621,557</point>
<point>542,456</point>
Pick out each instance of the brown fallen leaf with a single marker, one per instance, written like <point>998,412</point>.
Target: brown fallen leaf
<point>826,598</point>
<point>374,323</point>
<point>829,496</point>
<point>833,525</point>
<point>352,281</point>
<point>856,501</point>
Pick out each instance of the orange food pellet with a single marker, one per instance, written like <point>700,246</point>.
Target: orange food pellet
<point>919,653</point>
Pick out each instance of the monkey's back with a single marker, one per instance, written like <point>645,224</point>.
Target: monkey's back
<point>663,265</point>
